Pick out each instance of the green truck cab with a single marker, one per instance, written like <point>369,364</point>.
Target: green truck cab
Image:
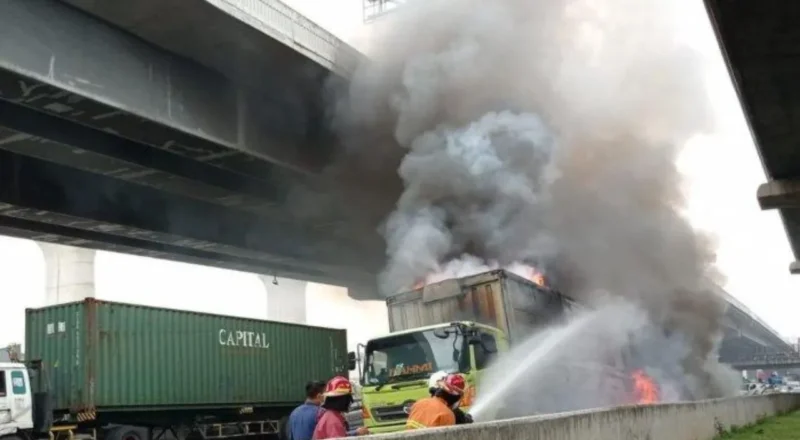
<point>397,367</point>
<point>457,325</point>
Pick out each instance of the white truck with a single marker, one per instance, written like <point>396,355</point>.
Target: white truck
<point>24,415</point>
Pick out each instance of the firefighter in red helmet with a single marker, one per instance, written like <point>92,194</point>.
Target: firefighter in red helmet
<point>338,396</point>
<point>437,410</point>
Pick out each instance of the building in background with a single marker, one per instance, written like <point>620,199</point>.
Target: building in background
<point>12,353</point>
<point>376,9</point>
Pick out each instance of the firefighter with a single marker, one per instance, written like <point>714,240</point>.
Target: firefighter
<point>433,382</point>
<point>437,410</point>
<point>338,396</point>
<point>433,385</point>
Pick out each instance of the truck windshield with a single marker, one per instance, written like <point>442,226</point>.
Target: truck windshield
<point>413,355</point>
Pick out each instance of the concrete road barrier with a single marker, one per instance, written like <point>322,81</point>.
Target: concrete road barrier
<point>675,421</point>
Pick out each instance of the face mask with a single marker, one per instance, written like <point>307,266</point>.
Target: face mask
<point>451,400</point>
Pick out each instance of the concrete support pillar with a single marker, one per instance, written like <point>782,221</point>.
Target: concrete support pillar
<point>69,273</point>
<point>286,299</point>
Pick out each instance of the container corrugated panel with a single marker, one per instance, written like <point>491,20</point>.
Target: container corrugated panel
<point>119,356</point>
<point>477,298</point>
<point>531,307</point>
<point>497,298</point>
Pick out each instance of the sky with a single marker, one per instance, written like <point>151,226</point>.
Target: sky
<point>722,172</point>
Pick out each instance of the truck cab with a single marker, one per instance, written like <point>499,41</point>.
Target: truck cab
<point>454,325</point>
<point>16,403</point>
<point>397,367</point>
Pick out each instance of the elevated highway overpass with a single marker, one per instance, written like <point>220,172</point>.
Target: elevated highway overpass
<point>191,131</point>
<point>759,41</point>
<point>741,322</point>
<point>747,336</point>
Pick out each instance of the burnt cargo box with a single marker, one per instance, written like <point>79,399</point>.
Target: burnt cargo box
<point>498,298</point>
<point>109,356</point>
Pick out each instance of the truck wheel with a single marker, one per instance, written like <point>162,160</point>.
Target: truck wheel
<point>127,433</point>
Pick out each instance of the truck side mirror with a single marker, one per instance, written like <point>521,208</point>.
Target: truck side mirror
<point>486,342</point>
<point>441,333</point>
<point>351,361</point>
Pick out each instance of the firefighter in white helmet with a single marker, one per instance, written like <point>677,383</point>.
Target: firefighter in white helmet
<point>434,383</point>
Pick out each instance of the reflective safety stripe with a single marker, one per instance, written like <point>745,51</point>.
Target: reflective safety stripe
<point>413,424</point>
<point>86,416</point>
<point>430,412</point>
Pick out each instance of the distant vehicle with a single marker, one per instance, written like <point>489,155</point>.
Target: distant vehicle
<point>12,353</point>
<point>124,372</point>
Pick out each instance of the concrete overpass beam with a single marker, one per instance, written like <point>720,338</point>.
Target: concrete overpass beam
<point>286,299</point>
<point>779,194</point>
<point>69,273</point>
<point>152,96</point>
<point>34,190</point>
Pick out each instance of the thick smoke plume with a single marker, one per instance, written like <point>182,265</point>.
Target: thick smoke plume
<point>541,132</point>
<point>587,363</point>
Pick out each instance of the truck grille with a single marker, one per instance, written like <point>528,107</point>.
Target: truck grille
<point>392,413</point>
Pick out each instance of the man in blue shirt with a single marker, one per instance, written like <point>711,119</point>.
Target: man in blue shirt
<point>303,419</point>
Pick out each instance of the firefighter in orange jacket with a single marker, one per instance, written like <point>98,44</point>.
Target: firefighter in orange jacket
<point>437,410</point>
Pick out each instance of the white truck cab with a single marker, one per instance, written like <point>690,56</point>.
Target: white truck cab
<point>16,405</point>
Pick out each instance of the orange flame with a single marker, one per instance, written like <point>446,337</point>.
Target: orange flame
<point>535,276</point>
<point>645,388</point>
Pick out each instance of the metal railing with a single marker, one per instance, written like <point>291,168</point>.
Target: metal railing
<point>278,20</point>
<point>786,359</point>
<point>375,9</point>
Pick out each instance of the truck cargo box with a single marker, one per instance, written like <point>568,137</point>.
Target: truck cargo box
<point>118,357</point>
<point>497,298</point>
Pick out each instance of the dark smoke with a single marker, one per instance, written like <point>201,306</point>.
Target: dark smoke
<point>543,132</point>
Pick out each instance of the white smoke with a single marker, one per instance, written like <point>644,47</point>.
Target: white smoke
<point>468,265</point>
<point>468,189</point>
<point>546,133</point>
<point>588,363</point>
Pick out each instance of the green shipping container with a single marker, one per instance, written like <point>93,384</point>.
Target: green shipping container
<point>105,356</point>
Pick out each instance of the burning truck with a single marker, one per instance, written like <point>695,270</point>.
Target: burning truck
<point>462,325</point>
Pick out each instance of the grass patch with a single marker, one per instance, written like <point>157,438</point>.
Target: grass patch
<point>786,427</point>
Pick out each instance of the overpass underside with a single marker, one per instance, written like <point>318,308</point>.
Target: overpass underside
<point>110,142</point>
<point>760,43</point>
<point>746,339</point>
